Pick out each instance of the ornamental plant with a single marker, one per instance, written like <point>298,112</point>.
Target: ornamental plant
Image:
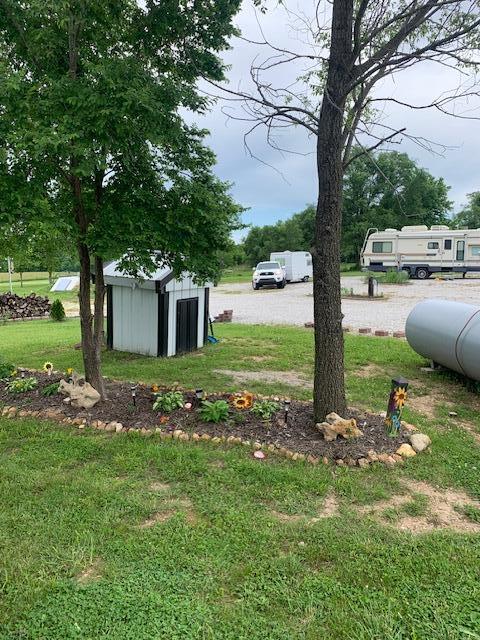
<point>168,401</point>
<point>57,311</point>
<point>7,370</point>
<point>21,385</point>
<point>265,408</point>
<point>214,411</point>
<point>51,389</point>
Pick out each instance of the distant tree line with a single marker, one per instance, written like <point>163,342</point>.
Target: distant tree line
<point>386,190</point>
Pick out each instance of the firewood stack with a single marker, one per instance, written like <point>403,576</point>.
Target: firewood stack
<point>13,307</point>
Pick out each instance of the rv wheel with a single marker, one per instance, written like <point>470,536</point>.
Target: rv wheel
<point>422,274</point>
<point>305,278</point>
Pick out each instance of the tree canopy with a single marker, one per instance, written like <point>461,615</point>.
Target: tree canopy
<point>469,216</point>
<point>388,189</point>
<point>90,105</point>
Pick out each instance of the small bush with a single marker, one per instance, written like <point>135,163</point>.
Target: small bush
<point>168,401</point>
<point>214,411</point>
<point>265,408</point>
<point>392,277</point>
<point>6,370</point>
<point>51,389</point>
<point>21,385</point>
<point>57,312</point>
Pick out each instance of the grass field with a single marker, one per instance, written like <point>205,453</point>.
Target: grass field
<point>129,538</point>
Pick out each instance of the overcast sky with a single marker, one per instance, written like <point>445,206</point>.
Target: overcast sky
<point>276,193</point>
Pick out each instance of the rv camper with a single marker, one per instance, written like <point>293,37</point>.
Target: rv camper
<point>422,251</point>
<point>297,264</point>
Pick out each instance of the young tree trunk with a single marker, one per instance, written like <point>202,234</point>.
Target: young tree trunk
<point>89,324</point>
<point>329,385</point>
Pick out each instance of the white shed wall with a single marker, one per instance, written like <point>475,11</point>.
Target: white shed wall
<point>135,320</point>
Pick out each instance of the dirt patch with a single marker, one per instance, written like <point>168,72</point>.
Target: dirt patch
<point>329,509</point>
<point>369,371</point>
<point>173,507</point>
<point>427,404</point>
<point>289,378</point>
<point>470,428</point>
<point>444,510</point>
<point>91,573</point>
<point>161,487</point>
<point>258,358</point>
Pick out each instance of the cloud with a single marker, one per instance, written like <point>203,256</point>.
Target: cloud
<point>289,183</point>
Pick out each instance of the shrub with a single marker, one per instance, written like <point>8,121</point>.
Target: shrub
<point>21,385</point>
<point>168,401</point>
<point>57,312</point>
<point>392,277</point>
<point>6,370</point>
<point>265,408</point>
<point>51,389</point>
<point>214,411</point>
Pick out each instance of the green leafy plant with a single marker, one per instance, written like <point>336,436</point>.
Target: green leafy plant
<point>214,411</point>
<point>21,385</point>
<point>51,389</point>
<point>57,311</point>
<point>6,370</point>
<point>392,277</point>
<point>265,408</point>
<point>168,401</point>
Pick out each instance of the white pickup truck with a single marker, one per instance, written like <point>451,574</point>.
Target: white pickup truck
<point>267,274</point>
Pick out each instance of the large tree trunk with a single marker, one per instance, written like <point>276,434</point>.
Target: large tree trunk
<point>329,385</point>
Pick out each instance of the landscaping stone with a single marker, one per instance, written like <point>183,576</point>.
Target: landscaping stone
<point>364,330</point>
<point>406,451</point>
<point>420,441</point>
<point>381,333</point>
<point>82,394</point>
<point>363,463</point>
<point>335,426</point>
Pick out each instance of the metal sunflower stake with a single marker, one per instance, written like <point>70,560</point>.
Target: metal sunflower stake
<point>396,402</point>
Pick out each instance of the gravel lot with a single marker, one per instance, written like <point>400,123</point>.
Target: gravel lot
<point>294,304</point>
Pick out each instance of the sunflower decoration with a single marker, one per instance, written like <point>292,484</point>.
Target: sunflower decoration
<point>154,388</point>
<point>400,397</point>
<point>243,401</point>
<point>48,368</point>
<point>69,371</point>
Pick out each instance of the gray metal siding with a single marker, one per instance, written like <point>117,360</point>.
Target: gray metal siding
<point>136,320</point>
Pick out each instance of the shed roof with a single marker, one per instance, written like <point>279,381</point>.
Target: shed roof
<point>113,270</point>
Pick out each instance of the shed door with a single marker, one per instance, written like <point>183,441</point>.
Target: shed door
<point>187,324</point>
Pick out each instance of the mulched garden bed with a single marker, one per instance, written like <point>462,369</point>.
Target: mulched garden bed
<point>298,434</point>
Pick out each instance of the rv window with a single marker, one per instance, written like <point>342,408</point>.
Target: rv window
<point>460,250</point>
<point>448,245</point>
<point>309,262</point>
<point>475,250</point>
<point>432,245</point>
<point>382,247</point>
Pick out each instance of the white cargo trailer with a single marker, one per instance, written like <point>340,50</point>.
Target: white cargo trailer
<point>297,264</point>
<point>422,251</point>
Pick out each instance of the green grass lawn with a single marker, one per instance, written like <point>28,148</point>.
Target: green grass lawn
<point>79,559</point>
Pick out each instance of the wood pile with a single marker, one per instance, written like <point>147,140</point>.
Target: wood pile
<point>13,306</point>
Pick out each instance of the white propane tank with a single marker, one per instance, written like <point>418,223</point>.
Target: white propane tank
<point>448,333</point>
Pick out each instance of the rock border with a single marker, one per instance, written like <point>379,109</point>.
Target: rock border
<point>419,442</point>
<point>366,331</point>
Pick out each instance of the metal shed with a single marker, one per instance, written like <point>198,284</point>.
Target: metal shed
<point>156,315</point>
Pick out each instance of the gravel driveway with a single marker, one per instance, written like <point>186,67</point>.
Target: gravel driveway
<point>294,304</point>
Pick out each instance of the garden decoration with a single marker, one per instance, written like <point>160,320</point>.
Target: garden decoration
<point>133,391</point>
<point>335,426</point>
<point>286,407</point>
<point>82,394</point>
<point>48,368</point>
<point>396,402</point>
<point>242,401</point>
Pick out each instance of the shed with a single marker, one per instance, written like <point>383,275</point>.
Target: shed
<point>156,315</point>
